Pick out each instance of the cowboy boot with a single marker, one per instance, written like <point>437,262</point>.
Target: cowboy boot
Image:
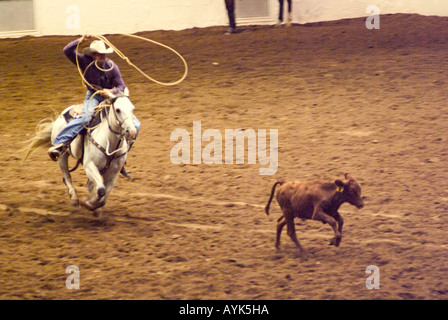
<point>123,170</point>
<point>56,151</point>
<point>125,173</point>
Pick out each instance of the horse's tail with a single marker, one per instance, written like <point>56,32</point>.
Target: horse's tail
<point>279,182</point>
<point>42,137</point>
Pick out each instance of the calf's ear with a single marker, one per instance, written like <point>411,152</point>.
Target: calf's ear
<point>339,183</point>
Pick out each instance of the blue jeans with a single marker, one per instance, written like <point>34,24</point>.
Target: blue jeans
<point>74,127</point>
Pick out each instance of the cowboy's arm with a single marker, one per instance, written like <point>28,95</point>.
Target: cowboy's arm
<point>70,51</point>
<point>119,84</point>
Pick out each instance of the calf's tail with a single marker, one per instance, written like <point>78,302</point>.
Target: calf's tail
<point>280,182</point>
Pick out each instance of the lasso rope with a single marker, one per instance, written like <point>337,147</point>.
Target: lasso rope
<point>121,55</point>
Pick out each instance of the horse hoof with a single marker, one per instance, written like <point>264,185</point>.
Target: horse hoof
<point>86,204</point>
<point>89,206</point>
<point>101,192</point>
<point>74,203</point>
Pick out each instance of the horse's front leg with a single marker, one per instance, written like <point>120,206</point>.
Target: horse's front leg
<point>97,190</point>
<point>67,179</point>
<point>110,178</point>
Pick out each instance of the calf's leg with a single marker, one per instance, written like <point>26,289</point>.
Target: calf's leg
<point>321,216</point>
<point>280,224</point>
<point>291,230</point>
<point>340,222</point>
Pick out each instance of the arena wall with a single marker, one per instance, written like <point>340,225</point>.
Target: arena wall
<point>325,10</point>
<point>69,17</point>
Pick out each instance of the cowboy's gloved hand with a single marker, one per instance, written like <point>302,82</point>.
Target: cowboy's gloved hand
<point>85,37</point>
<point>106,93</point>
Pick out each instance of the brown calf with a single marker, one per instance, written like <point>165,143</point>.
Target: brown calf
<point>314,200</point>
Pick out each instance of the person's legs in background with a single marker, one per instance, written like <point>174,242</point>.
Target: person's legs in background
<point>230,6</point>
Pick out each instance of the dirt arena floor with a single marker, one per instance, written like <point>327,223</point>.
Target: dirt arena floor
<point>343,98</point>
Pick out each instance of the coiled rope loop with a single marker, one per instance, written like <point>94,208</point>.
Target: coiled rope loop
<point>121,55</point>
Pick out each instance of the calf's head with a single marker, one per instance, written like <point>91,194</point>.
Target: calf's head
<point>351,191</point>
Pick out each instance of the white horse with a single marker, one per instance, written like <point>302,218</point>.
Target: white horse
<point>102,151</point>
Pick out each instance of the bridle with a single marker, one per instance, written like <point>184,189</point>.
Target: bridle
<point>117,120</point>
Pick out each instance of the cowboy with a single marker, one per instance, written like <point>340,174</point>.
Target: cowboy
<point>103,79</point>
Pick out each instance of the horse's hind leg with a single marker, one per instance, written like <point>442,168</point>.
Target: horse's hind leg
<point>67,179</point>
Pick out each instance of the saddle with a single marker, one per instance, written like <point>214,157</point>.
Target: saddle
<point>75,111</point>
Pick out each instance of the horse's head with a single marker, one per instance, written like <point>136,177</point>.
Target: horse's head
<point>123,114</point>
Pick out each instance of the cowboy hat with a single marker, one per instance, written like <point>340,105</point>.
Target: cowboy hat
<point>97,46</point>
